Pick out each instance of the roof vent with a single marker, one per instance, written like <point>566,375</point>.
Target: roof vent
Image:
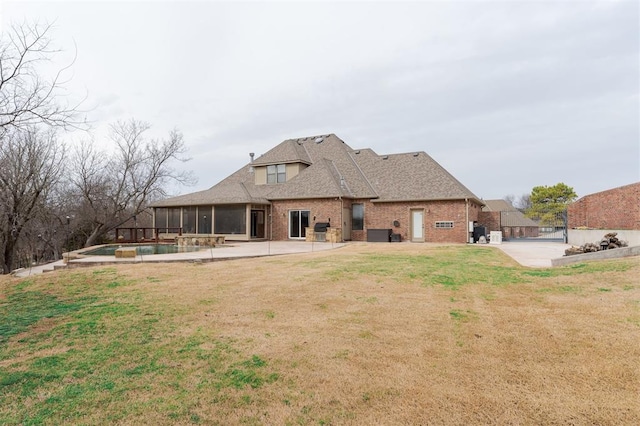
<point>357,152</point>
<point>319,139</point>
<point>385,157</point>
<point>415,154</point>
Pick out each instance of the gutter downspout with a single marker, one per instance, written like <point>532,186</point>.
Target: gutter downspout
<point>342,218</point>
<point>270,222</point>
<point>466,203</point>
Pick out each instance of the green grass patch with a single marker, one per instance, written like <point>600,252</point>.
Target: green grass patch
<point>107,347</point>
<point>449,267</point>
<point>560,289</point>
<point>460,315</point>
<point>109,356</point>
<point>248,373</point>
<point>23,309</point>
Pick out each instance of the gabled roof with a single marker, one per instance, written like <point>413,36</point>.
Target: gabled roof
<point>498,206</point>
<point>238,188</point>
<point>334,170</point>
<point>331,173</point>
<point>289,151</point>
<point>509,215</point>
<point>410,176</point>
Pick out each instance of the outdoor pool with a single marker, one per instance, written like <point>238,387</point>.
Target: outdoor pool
<point>110,250</point>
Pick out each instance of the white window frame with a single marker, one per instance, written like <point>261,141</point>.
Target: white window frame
<point>276,173</point>
<point>300,224</point>
<point>444,224</point>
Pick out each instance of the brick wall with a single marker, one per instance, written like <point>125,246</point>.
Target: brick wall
<point>323,209</point>
<point>382,216</point>
<point>491,220</point>
<point>617,208</point>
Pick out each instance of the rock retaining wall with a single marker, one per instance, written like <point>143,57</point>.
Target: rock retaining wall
<point>199,240</point>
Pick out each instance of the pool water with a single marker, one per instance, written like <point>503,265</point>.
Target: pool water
<point>110,250</point>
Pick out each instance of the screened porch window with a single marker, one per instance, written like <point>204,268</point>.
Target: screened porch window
<point>204,219</point>
<point>174,218</point>
<point>189,220</point>
<point>231,219</point>
<point>161,217</point>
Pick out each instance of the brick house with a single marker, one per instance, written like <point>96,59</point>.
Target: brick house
<point>617,208</point>
<point>301,182</point>
<point>499,215</point>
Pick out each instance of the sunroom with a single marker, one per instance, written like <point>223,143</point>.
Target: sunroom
<point>234,222</point>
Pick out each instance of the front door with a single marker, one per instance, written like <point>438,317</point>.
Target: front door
<point>417,226</point>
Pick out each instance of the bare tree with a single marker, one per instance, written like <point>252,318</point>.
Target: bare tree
<point>31,164</point>
<point>26,96</point>
<point>511,199</point>
<point>521,203</point>
<point>114,188</point>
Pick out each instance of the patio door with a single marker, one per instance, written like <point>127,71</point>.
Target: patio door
<point>298,222</point>
<point>417,226</point>
<point>257,223</point>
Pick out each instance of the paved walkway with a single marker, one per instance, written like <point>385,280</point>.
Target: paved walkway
<point>533,253</point>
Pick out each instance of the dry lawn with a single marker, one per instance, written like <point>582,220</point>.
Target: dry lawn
<point>365,334</point>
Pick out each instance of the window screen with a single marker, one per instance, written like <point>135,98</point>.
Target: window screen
<point>230,219</point>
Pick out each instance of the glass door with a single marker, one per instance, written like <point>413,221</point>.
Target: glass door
<point>298,222</point>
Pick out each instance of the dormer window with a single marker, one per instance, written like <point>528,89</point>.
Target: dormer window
<point>276,173</point>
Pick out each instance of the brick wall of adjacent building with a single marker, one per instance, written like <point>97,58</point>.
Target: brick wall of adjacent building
<point>492,221</point>
<point>382,216</point>
<point>617,208</point>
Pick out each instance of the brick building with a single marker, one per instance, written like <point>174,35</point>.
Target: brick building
<point>303,182</point>
<point>499,215</point>
<point>617,208</point>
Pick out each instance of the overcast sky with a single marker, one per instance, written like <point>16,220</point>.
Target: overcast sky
<point>505,95</point>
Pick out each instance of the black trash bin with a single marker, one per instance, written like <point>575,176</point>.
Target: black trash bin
<point>378,235</point>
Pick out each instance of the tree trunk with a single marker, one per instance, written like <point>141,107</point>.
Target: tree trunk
<point>7,265</point>
<point>91,240</point>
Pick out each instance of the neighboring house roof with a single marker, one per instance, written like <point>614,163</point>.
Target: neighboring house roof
<point>498,206</point>
<point>335,170</point>
<point>509,215</point>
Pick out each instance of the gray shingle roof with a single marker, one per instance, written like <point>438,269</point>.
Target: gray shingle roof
<point>289,151</point>
<point>334,170</point>
<point>498,206</point>
<point>510,216</point>
<point>409,176</point>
